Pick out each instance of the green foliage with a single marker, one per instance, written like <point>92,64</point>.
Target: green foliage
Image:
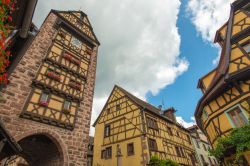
<point>238,140</point>
<point>155,161</point>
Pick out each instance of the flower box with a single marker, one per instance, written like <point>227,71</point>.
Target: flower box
<point>76,61</point>
<point>43,103</point>
<point>66,111</point>
<point>75,86</point>
<point>70,58</point>
<point>67,56</point>
<point>53,76</point>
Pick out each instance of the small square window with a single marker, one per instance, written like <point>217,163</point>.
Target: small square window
<point>130,149</point>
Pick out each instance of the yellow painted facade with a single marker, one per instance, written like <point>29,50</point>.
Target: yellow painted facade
<point>226,100</point>
<point>127,123</point>
<point>58,86</point>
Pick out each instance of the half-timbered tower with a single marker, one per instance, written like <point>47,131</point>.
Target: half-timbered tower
<point>129,131</point>
<point>226,89</point>
<point>48,101</point>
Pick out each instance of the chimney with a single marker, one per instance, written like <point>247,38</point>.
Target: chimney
<point>170,113</point>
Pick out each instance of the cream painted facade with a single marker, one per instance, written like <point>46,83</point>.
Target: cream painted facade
<point>202,146</point>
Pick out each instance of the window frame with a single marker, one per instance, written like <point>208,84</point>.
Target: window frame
<point>152,144</point>
<point>130,153</point>
<point>118,107</point>
<point>232,109</point>
<point>170,132</point>
<point>103,154</point>
<point>178,152</point>
<point>47,97</point>
<point>246,47</point>
<point>152,123</point>
<point>108,152</point>
<point>107,126</point>
<point>68,105</point>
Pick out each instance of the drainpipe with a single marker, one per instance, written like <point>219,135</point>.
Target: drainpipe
<point>27,18</point>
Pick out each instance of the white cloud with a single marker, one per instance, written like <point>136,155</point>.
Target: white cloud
<point>208,16</point>
<point>139,43</point>
<point>185,123</point>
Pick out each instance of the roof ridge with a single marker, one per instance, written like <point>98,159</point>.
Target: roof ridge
<point>133,96</point>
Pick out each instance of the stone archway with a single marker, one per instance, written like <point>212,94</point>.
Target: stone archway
<point>35,141</point>
<point>40,150</point>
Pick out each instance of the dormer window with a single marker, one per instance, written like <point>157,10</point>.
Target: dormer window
<point>44,99</point>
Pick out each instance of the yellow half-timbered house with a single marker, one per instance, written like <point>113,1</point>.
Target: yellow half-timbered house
<point>226,89</point>
<point>129,131</point>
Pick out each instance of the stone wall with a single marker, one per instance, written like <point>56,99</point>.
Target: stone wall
<point>71,144</point>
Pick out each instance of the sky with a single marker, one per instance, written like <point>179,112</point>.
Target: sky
<point>155,49</point>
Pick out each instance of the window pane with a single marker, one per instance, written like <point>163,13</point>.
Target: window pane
<point>243,119</point>
<point>237,117</point>
<point>130,149</point>
<point>107,131</point>
<point>247,48</point>
<point>44,97</point>
<point>66,105</point>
